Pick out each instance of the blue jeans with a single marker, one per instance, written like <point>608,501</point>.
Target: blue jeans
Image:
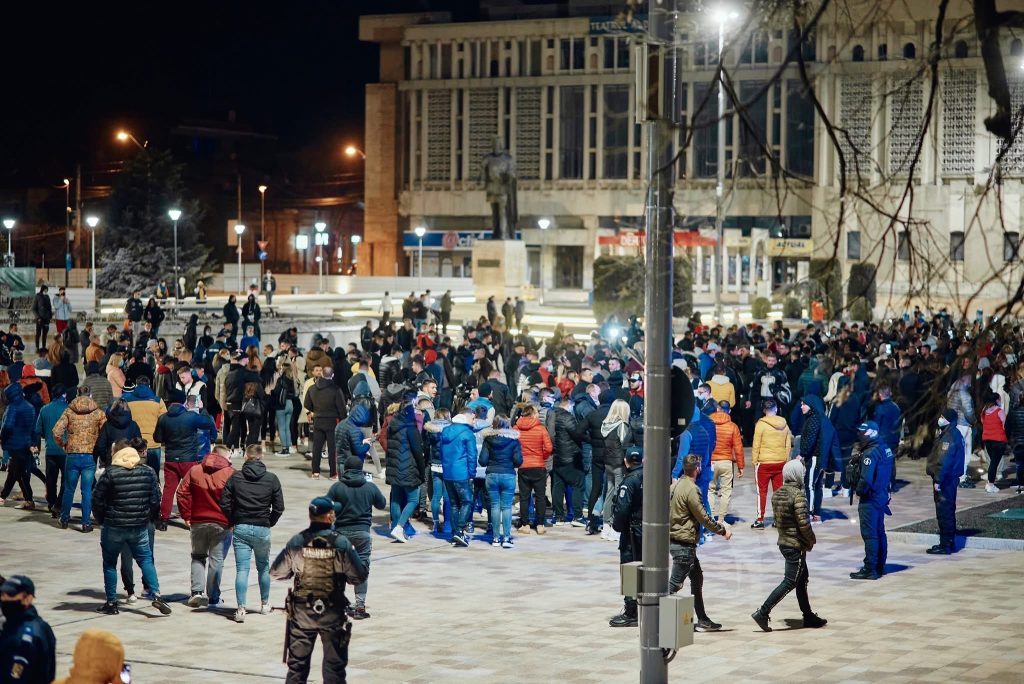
<point>502,487</point>
<point>284,425</point>
<point>439,500</point>
<point>78,466</point>
<point>112,540</point>
<point>460,498</point>
<point>251,541</point>
<point>403,504</point>
<point>127,576</point>
<point>153,461</point>
<point>588,460</point>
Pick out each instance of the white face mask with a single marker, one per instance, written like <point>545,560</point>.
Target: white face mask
<point>943,422</point>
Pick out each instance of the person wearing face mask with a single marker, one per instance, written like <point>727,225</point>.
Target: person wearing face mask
<point>27,644</point>
<point>945,466</point>
<point>872,481</point>
<point>769,382</point>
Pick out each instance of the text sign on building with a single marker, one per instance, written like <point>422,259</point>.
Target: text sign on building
<point>603,25</point>
<point>789,247</point>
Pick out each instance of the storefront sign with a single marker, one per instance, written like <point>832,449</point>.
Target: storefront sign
<point>448,240</point>
<point>681,238</point>
<point>488,263</point>
<point>789,247</point>
<point>604,25</point>
<point>737,241</point>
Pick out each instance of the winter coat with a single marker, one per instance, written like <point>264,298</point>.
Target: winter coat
<point>119,425</point>
<point>687,513</point>
<point>79,427</point>
<point>200,490</point>
<point>728,441</point>
<point>535,442</point>
<point>30,380</point>
<point>946,462</point>
<point>404,455</point>
<point>432,441</point>
<point>773,441</point>
<point>115,378</point>
<point>326,401</point>
<point>349,435</point>
<point>46,421</point>
<point>791,520</point>
<point>565,439</point>
<point>959,399</point>
<point>592,430</point>
<point>146,410</point>
<point>100,387</point>
<point>818,438</point>
<point>846,417</point>
<point>358,498</point>
<point>177,429</point>
<point>1014,425</point>
<point>617,437</point>
<point>458,450</point>
<point>235,384</point>
<point>502,452</point>
<point>722,389</point>
<point>19,420</point>
<point>992,425</point>
<point>42,309</point>
<point>127,495</point>
<point>317,357</point>
<point>252,496</point>
<point>696,439</point>
<point>98,659</point>
<point>888,416</point>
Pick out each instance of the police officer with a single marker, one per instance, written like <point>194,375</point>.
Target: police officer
<point>627,516</point>
<point>27,643</point>
<point>873,486</point>
<point>945,465</point>
<point>321,561</point>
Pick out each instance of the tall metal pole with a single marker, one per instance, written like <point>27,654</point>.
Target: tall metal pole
<point>718,271</point>
<point>176,297</point>
<point>240,290</point>
<point>67,231</point>
<point>78,207</point>
<point>92,261</point>
<point>419,265</point>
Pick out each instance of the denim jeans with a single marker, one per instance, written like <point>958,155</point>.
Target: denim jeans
<point>127,576</point>
<point>284,425</point>
<point>153,461</point>
<point>251,541</point>
<point>795,578</point>
<point>54,469</point>
<point>439,499</point>
<point>612,479</point>
<point>136,539</point>
<point>685,564</point>
<point>460,497</point>
<point>403,504</point>
<point>588,461</point>
<point>502,487</point>
<point>209,541</point>
<point>78,466</point>
<point>362,542</point>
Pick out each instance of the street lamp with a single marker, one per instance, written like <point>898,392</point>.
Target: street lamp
<point>67,231</point>
<point>92,222</point>
<point>125,136</point>
<point>352,151</point>
<point>9,225</point>
<point>721,15</point>
<point>420,232</point>
<point>543,223</point>
<point>263,198</point>
<point>356,239</point>
<point>239,229</point>
<point>175,214</point>
<point>321,240</point>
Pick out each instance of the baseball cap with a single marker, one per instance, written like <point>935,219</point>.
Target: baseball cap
<point>635,377</point>
<point>16,584</point>
<point>323,504</point>
<point>868,425</point>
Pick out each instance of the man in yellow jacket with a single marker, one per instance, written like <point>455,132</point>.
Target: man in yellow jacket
<point>772,444</point>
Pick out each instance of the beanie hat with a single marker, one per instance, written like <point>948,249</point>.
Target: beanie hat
<point>485,389</point>
<point>430,356</point>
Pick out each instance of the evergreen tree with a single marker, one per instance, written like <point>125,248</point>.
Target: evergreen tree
<point>136,249</point>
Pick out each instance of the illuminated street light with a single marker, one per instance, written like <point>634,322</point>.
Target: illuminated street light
<point>239,229</point>
<point>9,225</point>
<point>420,232</point>
<point>321,240</point>
<point>175,214</point>
<point>125,136</point>
<point>356,239</point>
<point>543,223</point>
<point>352,151</point>
<point>92,222</point>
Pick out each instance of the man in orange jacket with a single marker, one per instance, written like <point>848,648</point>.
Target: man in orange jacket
<point>728,454</point>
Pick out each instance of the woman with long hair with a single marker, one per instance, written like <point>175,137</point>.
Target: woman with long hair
<point>154,314</point>
<point>617,436</point>
<point>993,436</point>
<point>115,374</point>
<point>55,351</point>
<point>284,389</point>
<point>501,454</point>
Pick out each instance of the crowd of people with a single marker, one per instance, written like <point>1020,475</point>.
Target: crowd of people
<point>493,432</point>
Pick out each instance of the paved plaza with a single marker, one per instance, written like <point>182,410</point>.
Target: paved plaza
<point>539,612</point>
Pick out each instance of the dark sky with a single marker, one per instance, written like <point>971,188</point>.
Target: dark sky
<point>72,73</point>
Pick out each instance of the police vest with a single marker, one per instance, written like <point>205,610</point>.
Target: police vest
<point>316,581</point>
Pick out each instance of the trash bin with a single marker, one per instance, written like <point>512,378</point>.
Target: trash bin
<point>295,289</point>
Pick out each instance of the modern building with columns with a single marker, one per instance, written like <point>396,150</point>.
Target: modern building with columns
<point>559,92</point>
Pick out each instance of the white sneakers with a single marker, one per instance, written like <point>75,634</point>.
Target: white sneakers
<point>991,488</point>
<point>240,615</point>
<point>266,608</point>
<point>398,534</point>
<point>608,534</point>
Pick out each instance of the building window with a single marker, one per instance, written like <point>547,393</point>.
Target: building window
<point>570,132</point>
<point>755,50</point>
<point>535,59</point>
<point>909,51</point>
<point>853,245</point>
<point>960,50</point>
<point>568,267</point>
<point>883,52</point>
<point>616,131</point>
<point>571,53</point>
<point>705,131</point>
<point>1011,246</point>
<point>858,53</point>
<point>1016,48</point>
<point>956,246</point>
<point>799,130</point>
<point>902,246</point>
<point>753,120</point>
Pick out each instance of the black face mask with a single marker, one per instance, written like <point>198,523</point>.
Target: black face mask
<point>12,610</point>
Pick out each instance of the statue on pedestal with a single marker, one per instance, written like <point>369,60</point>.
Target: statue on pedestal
<point>498,174</point>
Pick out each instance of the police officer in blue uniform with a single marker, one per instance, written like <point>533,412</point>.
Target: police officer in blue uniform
<point>873,486</point>
<point>945,465</point>
<point>627,518</point>
<point>27,644</point>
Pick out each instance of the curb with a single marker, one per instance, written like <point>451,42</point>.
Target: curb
<point>987,543</point>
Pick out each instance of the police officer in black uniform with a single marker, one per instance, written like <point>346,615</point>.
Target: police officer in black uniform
<point>27,643</point>
<point>321,561</point>
<point>873,486</point>
<point>627,516</point>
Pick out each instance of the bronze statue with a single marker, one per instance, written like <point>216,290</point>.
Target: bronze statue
<point>498,174</point>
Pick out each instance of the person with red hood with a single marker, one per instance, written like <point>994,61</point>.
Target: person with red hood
<point>29,378</point>
<point>199,504</point>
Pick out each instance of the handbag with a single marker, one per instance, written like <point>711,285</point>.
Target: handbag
<point>250,409</point>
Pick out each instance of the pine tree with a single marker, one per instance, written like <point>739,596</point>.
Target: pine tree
<point>136,250</point>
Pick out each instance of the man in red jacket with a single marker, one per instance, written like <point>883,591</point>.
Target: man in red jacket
<point>199,504</point>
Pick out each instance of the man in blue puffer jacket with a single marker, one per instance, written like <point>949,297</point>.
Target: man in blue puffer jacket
<point>349,438</point>
<point>17,437</point>
<point>458,465</point>
<point>818,445</point>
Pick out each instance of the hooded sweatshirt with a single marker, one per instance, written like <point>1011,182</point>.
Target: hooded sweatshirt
<point>119,425</point>
<point>772,440</point>
<point>79,427</point>
<point>458,450</point>
<point>19,420</point>
<point>818,438</point>
<point>722,389</point>
<point>728,441</point>
<point>535,442</point>
<point>47,420</point>
<point>99,659</point>
<point>252,496</point>
<point>200,491</point>
<point>358,498</point>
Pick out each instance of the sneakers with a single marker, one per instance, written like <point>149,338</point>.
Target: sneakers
<point>283,453</point>
<point>87,528</point>
<point>813,621</point>
<point>560,523</point>
<point>757,525</point>
<point>496,542</point>
<point>132,598</point>
<point>815,519</point>
<point>991,488</point>
<point>194,601</point>
<point>706,626</point>
<point>460,540</point>
<point>541,529</point>
<point>161,605</point>
<point>863,574</point>
<point>967,483</point>
<point>939,550</point>
<point>108,608</point>
<point>148,595</point>
<point>604,533</point>
<point>26,506</point>
<point>623,620</point>
<point>507,543</point>
<point>240,614</point>
<point>214,606</point>
<point>844,493</point>
<point>266,609</point>
<point>525,529</point>
<point>359,613</point>
<point>64,524</point>
<point>398,534</point>
<point>162,526</point>
<point>579,522</point>
<point>762,620</point>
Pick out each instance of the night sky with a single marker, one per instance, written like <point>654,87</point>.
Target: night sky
<point>74,73</point>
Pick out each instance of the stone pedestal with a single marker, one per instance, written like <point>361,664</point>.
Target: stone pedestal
<point>499,269</point>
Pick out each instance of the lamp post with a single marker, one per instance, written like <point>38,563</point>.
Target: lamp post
<point>263,198</point>
<point>321,240</point>
<point>420,232</point>
<point>125,136</point>
<point>67,231</point>
<point>9,225</point>
<point>92,222</point>
<point>353,151</point>
<point>722,15</point>
<point>175,214</point>
<point>239,229</point>
<point>356,239</point>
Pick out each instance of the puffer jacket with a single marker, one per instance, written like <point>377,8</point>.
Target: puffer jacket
<point>722,389</point>
<point>458,450</point>
<point>200,490</point>
<point>959,399</point>
<point>772,440</point>
<point>252,496</point>
<point>728,441</point>
<point>686,511</point>
<point>1014,425</point>
<point>119,425</point>
<point>432,440</point>
<point>99,658</point>
<point>127,495</point>
<point>535,442</point>
<point>992,425</point>
<point>358,498</point>
<point>565,439</point>
<point>100,388</point>
<point>79,427</point>
<point>349,436</point>
<point>617,437</point>
<point>502,452</point>
<point>178,431</point>
<point>791,520</point>
<point>404,456</point>
<point>19,420</point>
